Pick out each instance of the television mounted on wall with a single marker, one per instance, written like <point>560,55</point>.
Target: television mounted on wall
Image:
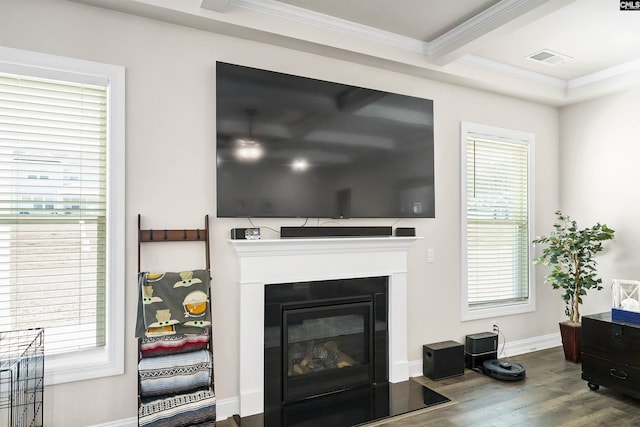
<point>297,147</point>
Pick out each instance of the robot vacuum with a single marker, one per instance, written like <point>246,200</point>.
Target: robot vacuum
<point>503,370</point>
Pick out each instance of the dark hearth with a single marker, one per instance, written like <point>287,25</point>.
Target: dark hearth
<point>349,408</point>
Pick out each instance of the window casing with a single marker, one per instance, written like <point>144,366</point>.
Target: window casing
<point>62,209</point>
<point>497,218</point>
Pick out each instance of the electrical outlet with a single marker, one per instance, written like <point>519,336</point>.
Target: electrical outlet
<point>431,255</point>
<point>494,325</point>
<point>496,328</point>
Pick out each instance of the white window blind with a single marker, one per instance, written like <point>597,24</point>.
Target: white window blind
<point>53,190</point>
<point>497,221</point>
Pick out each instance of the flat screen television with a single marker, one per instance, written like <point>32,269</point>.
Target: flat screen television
<point>290,146</point>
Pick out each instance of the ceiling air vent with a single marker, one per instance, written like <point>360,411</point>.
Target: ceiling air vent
<point>549,57</point>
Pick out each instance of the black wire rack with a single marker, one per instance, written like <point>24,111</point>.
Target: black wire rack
<point>21,377</point>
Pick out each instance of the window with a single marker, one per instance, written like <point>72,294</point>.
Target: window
<point>496,221</point>
<point>62,209</point>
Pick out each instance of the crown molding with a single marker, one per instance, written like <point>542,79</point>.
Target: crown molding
<point>216,5</point>
<point>512,71</point>
<point>479,25</point>
<point>331,23</point>
<point>447,58</point>
<point>486,21</point>
<point>606,74</point>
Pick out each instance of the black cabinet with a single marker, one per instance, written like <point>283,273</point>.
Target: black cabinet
<point>611,354</point>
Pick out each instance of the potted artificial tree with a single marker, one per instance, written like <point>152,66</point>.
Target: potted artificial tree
<point>570,253</point>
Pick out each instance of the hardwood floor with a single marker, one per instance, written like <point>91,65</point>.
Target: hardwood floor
<point>553,394</point>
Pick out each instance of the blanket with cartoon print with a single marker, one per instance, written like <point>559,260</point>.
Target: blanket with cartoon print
<point>173,303</point>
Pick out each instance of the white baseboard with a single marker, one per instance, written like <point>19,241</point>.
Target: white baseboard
<point>509,349</point>
<point>127,422</point>
<point>229,406</point>
<point>531,344</point>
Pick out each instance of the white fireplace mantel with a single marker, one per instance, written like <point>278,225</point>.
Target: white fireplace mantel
<point>267,262</point>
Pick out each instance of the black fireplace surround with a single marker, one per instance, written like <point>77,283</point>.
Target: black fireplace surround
<point>324,337</point>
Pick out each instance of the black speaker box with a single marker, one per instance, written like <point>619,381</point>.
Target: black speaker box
<point>442,360</point>
<point>338,231</point>
<point>405,231</point>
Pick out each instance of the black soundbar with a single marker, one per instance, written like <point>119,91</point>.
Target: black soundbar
<point>357,231</point>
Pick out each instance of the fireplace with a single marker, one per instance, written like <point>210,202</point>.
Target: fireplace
<point>281,262</point>
<point>323,337</point>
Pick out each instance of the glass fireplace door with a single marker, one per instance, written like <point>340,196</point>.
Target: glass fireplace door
<point>327,347</point>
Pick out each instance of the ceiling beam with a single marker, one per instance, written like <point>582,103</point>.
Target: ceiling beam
<point>497,20</point>
<point>444,59</point>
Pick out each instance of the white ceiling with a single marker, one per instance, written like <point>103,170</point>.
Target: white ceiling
<point>479,43</point>
<point>418,19</point>
<point>595,33</point>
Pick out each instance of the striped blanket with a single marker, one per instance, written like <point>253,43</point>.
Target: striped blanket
<point>193,409</point>
<point>173,374</point>
<point>173,344</point>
